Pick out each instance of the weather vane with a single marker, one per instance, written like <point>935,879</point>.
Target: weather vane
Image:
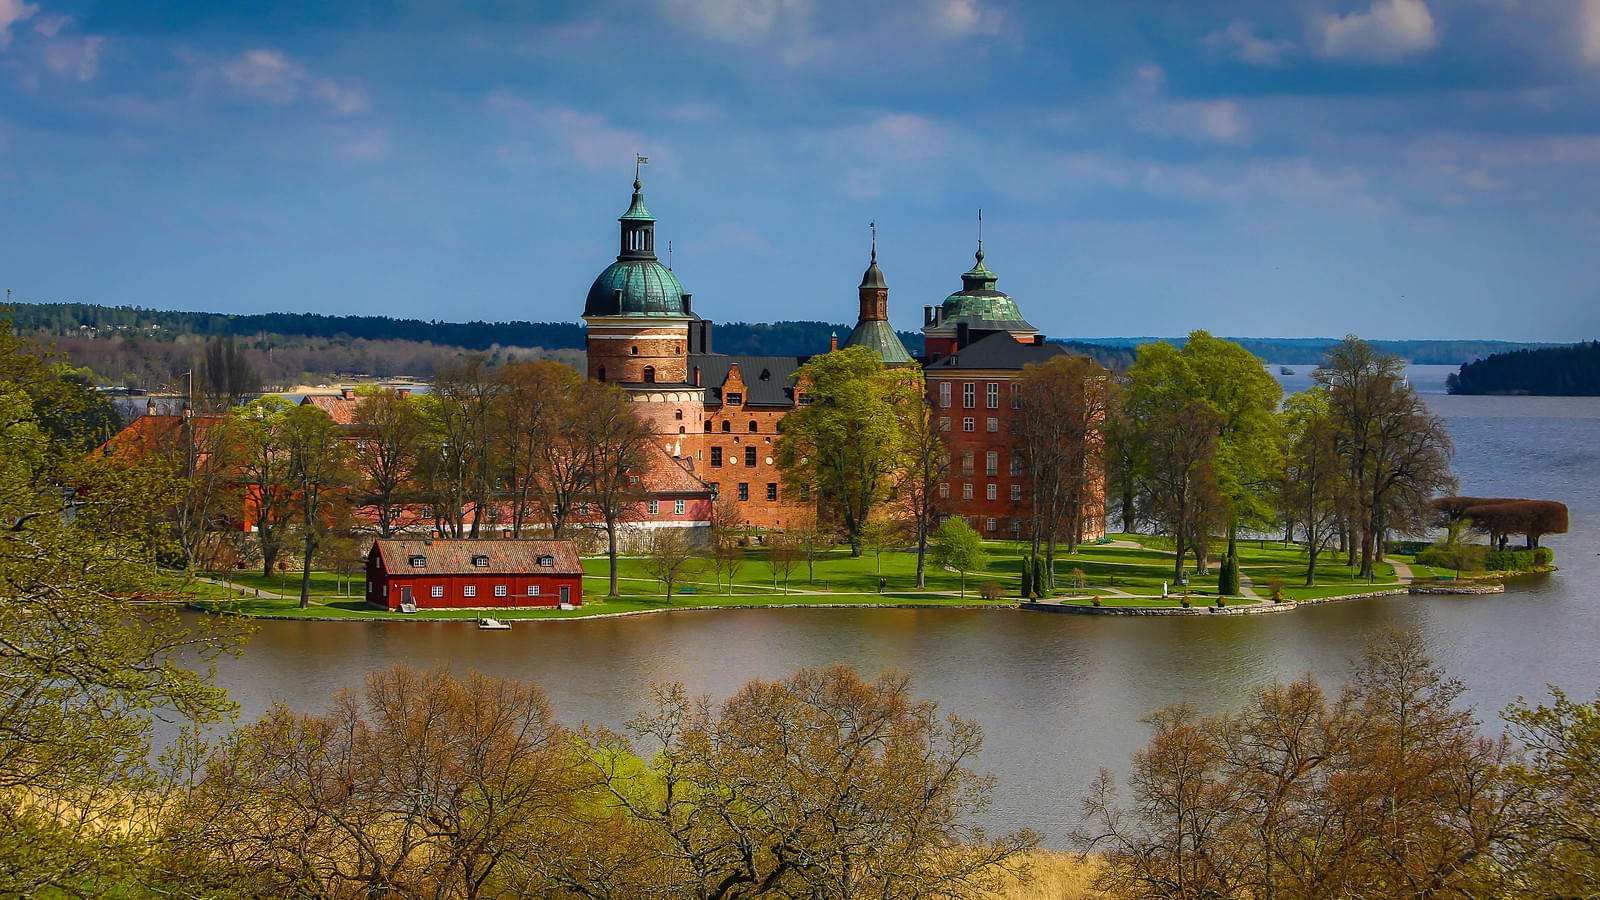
<point>669,255</point>
<point>980,228</point>
<point>874,226</point>
<point>637,162</point>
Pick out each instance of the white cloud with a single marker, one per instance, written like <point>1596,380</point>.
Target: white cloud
<point>1211,121</point>
<point>1388,31</point>
<point>49,26</point>
<point>892,136</point>
<point>962,17</point>
<point>12,12</point>
<point>1589,28</point>
<point>74,57</point>
<point>739,20</point>
<point>587,139</point>
<point>269,76</point>
<point>1240,41</point>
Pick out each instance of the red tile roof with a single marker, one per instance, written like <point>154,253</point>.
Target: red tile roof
<point>669,475</point>
<point>153,434</point>
<point>340,408</point>
<point>506,557</point>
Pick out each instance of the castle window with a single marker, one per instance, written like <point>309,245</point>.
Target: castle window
<point>992,491</point>
<point>969,424</point>
<point>735,399</point>
<point>992,424</point>
<point>1016,492</point>
<point>992,395</point>
<point>766,375</point>
<point>682,430</point>
<point>634,350</point>
<point>716,456</point>
<point>727,427</point>
<point>678,507</point>
<point>678,415</point>
<point>944,394</point>
<point>708,426</point>
<point>602,373</point>
<point>744,490</point>
<point>481,561</point>
<point>988,524</point>
<point>944,491</point>
<point>752,426</point>
<point>655,507</point>
<point>969,395</point>
<point>991,464</point>
<point>966,492</point>
<point>749,456</point>
<point>649,374</point>
<point>772,490</point>
<point>944,423</point>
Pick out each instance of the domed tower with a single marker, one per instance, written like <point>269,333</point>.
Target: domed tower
<point>975,311</point>
<point>637,313</point>
<point>873,330</point>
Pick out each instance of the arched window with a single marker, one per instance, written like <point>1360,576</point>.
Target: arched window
<point>681,429</point>
<point>678,415</point>
<point>649,374</point>
<point>708,426</point>
<point>726,426</point>
<point>602,373</point>
<point>752,426</point>
<point>634,350</point>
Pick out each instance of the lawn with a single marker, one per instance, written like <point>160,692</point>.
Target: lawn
<point>835,577</point>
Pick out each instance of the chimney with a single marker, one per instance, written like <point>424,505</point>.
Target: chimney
<point>688,299</point>
<point>705,336</point>
<point>1038,340</point>
<point>834,343</point>
<point>403,393</point>
<point>963,334</point>
<point>347,393</point>
<point>927,315</point>
<point>150,407</point>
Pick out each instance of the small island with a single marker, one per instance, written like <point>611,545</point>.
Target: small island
<point>1550,371</point>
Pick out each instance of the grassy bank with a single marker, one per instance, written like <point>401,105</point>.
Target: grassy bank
<point>1131,572</point>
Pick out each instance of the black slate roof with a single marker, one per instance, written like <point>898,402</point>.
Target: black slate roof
<point>777,389</point>
<point>999,351</point>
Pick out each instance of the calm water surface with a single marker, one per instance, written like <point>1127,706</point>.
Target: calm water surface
<point>1058,696</point>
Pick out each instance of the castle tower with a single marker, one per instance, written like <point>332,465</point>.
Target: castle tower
<point>873,330</point>
<point>972,313</point>
<point>637,313</point>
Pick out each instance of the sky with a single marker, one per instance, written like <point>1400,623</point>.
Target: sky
<point>1267,168</point>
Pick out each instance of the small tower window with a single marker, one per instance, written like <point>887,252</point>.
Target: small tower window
<point>766,375</point>
<point>752,426</point>
<point>708,426</point>
<point>649,374</point>
<point>726,427</point>
<point>634,350</point>
<point>601,374</point>
<point>678,414</point>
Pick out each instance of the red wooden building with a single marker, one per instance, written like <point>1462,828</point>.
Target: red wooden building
<point>504,574</point>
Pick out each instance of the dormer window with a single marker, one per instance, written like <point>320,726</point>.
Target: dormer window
<point>417,561</point>
<point>481,561</point>
<point>766,375</point>
<point>547,562</point>
<point>735,398</point>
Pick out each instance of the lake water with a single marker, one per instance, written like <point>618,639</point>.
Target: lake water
<point>1058,696</point>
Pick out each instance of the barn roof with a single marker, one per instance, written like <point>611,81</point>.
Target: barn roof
<point>453,557</point>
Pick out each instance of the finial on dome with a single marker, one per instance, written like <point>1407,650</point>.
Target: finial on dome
<point>980,235</point>
<point>874,226</point>
<point>637,162</point>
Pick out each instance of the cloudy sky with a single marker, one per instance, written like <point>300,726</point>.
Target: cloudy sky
<point>1392,168</point>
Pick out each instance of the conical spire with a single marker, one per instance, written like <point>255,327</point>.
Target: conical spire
<point>873,277</point>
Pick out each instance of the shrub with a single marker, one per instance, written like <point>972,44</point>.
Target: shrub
<point>1275,586</point>
<point>991,590</point>
<point>1079,580</point>
<point>1543,556</point>
<point>1228,578</point>
<point>1097,601</point>
<point>1511,560</point>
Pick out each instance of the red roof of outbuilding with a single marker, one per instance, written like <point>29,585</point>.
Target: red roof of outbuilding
<point>454,557</point>
<point>340,408</point>
<point>667,475</point>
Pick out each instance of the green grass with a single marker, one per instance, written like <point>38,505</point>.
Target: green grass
<point>836,577</point>
<point>323,584</point>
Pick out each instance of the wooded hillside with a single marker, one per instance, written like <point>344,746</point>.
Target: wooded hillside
<point>1553,371</point>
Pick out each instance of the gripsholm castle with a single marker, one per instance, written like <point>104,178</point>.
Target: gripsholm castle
<point>717,415</point>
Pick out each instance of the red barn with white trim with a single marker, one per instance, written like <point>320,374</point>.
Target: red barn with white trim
<point>452,574</point>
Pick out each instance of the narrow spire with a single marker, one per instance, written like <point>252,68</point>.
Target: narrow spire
<point>980,235</point>
<point>874,226</point>
<point>669,256</point>
<point>637,162</point>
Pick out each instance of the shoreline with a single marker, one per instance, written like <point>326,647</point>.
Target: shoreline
<point>1070,608</point>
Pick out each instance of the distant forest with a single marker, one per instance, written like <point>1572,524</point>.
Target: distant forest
<point>1553,371</point>
<point>151,349</point>
<point>1308,351</point>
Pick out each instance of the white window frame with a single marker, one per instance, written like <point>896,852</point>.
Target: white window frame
<point>944,491</point>
<point>1016,397</point>
<point>1016,464</point>
<point>969,424</point>
<point>969,395</point>
<point>991,464</point>
<point>677,507</point>
<point>437,591</point>
<point>944,394</point>
<point>992,395</point>
<point>533,590</point>
<point>500,590</point>
<point>1016,492</point>
<point>655,507</point>
<point>991,425</point>
<point>469,590</point>
<point>992,492</point>
<point>988,524</point>
<point>966,491</point>
<point>944,423</point>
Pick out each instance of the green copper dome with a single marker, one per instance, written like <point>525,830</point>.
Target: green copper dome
<point>635,287</point>
<point>637,284</point>
<point>978,299</point>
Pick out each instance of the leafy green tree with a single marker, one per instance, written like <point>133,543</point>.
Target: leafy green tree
<point>843,448</point>
<point>1559,841</point>
<point>957,546</point>
<point>81,676</point>
<point>389,430</point>
<point>258,436</point>
<point>1311,487</point>
<point>616,445</point>
<point>1396,453</point>
<point>320,476</point>
<point>924,466</point>
<point>1232,383</point>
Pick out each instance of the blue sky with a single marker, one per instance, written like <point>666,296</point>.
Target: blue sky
<point>1392,168</point>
